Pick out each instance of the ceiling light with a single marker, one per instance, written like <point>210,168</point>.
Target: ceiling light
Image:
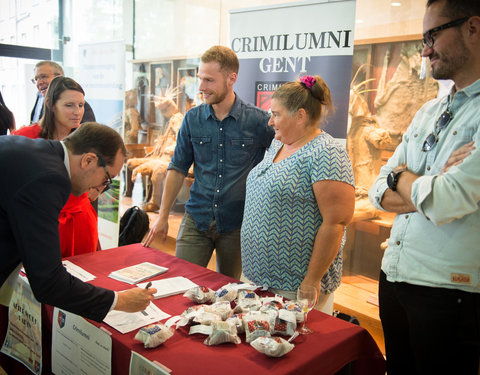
<point>396,4</point>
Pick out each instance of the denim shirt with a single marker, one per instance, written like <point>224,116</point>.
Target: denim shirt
<point>438,246</point>
<point>222,153</point>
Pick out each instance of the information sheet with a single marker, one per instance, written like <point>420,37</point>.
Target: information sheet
<point>23,340</point>
<point>79,347</point>
<point>139,365</point>
<point>125,322</point>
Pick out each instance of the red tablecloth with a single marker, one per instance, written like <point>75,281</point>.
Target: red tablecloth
<point>334,344</point>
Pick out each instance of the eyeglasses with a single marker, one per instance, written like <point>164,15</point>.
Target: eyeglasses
<point>109,180</point>
<point>441,123</point>
<point>428,39</point>
<point>43,77</point>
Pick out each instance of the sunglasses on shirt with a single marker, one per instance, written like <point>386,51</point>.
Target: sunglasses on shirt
<point>432,138</point>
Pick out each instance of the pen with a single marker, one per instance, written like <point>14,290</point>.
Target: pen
<point>149,284</point>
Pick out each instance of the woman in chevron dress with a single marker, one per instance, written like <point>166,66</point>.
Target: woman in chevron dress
<point>299,198</point>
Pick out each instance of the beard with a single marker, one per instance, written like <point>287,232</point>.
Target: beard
<point>216,98</point>
<point>449,63</point>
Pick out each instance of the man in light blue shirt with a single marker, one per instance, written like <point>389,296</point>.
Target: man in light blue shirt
<point>429,289</point>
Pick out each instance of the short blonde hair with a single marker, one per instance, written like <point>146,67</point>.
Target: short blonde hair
<point>226,58</point>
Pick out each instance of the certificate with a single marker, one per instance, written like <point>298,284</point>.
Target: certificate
<point>78,347</point>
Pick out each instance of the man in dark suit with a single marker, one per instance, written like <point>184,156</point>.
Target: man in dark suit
<point>45,72</point>
<point>38,176</point>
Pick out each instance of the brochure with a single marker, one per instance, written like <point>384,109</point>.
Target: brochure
<point>138,273</point>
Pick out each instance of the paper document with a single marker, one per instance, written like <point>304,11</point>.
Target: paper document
<point>125,322</point>
<point>138,272</point>
<point>79,347</point>
<point>140,365</point>
<point>170,287</point>
<point>77,271</point>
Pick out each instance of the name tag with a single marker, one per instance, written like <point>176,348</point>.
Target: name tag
<point>460,278</point>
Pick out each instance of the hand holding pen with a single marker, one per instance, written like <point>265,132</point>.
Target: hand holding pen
<point>135,299</point>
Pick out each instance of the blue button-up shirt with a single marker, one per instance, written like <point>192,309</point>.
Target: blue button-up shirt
<point>222,153</point>
<point>438,245</point>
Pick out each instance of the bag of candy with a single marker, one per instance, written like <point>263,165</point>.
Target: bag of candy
<point>200,294</point>
<point>285,323</point>
<point>221,308</point>
<point>226,293</point>
<point>206,318</point>
<point>272,346</point>
<point>245,305</point>
<point>222,332</point>
<point>296,308</point>
<point>237,320</point>
<point>153,335</point>
<point>257,325</point>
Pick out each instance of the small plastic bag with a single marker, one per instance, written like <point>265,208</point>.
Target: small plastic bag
<point>245,305</point>
<point>221,308</point>
<point>222,332</point>
<point>200,294</point>
<point>272,346</point>
<point>257,325</point>
<point>296,308</point>
<point>237,320</point>
<point>285,323</point>
<point>247,294</point>
<point>206,318</point>
<point>153,335</point>
<point>273,304</point>
<point>189,314</point>
<point>226,293</point>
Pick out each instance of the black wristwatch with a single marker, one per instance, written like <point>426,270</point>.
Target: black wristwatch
<point>392,178</point>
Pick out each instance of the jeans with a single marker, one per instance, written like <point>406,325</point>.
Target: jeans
<point>197,247</point>
<point>429,330</point>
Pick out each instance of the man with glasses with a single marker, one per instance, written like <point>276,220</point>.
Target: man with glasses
<point>41,174</point>
<point>429,290</point>
<point>45,72</point>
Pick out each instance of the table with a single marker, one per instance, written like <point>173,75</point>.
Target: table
<point>334,344</point>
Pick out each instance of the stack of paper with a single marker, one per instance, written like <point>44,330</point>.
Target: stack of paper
<point>77,271</point>
<point>170,287</point>
<point>137,273</point>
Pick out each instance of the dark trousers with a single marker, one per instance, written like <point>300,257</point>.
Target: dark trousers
<point>429,330</point>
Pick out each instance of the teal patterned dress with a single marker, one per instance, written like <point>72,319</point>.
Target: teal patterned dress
<point>282,218</point>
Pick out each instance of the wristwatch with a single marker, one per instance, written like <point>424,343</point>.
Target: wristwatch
<point>393,176</point>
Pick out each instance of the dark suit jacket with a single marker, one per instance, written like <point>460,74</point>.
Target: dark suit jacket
<point>35,186</point>
<point>88,115</point>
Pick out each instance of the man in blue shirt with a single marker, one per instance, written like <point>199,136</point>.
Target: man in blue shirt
<point>224,138</point>
<point>429,290</point>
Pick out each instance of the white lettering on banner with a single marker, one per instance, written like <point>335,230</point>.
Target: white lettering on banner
<point>283,64</point>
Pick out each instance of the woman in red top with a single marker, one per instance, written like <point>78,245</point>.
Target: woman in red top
<point>63,111</point>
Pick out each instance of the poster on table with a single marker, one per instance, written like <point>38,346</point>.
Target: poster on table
<point>279,43</point>
<point>79,347</point>
<point>139,365</point>
<point>23,340</point>
<point>102,74</point>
